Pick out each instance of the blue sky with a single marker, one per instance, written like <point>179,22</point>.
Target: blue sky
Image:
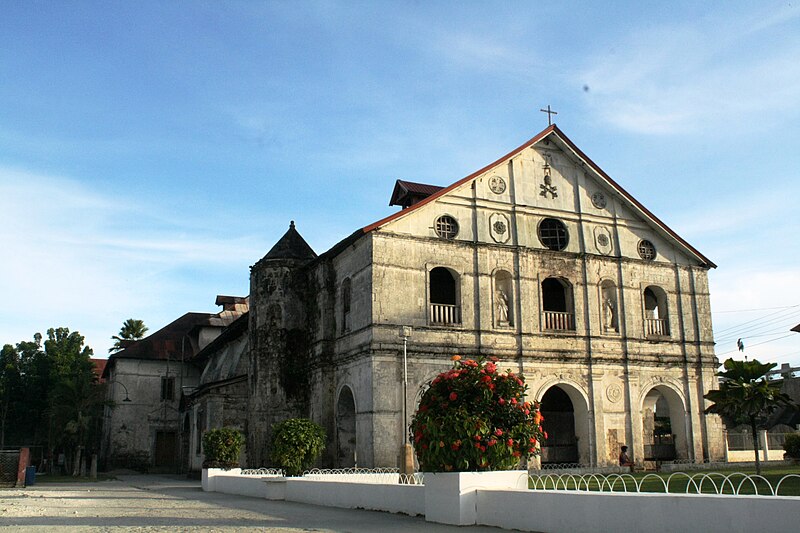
<point>150,152</point>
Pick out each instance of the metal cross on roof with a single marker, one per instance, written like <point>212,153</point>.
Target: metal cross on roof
<point>549,114</point>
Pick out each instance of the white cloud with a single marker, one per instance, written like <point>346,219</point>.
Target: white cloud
<point>703,76</point>
<point>77,258</point>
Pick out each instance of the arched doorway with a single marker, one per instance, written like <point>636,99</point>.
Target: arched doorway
<point>664,425</point>
<point>346,456</point>
<point>566,423</point>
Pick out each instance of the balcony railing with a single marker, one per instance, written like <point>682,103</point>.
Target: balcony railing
<point>444,314</point>
<point>558,321</point>
<point>656,327</point>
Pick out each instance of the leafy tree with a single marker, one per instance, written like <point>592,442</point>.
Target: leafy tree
<point>75,398</point>
<point>746,396</point>
<point>296,444</point>
<point>30,421</point>
<point>49,393</point>
<point>131,330</point>
<point>10,387</point>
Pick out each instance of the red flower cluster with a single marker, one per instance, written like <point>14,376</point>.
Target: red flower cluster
<point>473,402</point>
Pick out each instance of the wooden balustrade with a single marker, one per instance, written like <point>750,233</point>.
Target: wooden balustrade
<point>558,321</point>
<point>656,327</point>
<point>442,314</point>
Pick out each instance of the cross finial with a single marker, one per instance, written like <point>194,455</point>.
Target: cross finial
<point>549,114</point>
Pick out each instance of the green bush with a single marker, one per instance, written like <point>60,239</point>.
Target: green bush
<point>221,447</point>
<point>792,445</point>
<point>296,445</point>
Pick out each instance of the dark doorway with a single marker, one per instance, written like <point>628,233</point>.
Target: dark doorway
<point>166,445</point>
<point>561,445</point>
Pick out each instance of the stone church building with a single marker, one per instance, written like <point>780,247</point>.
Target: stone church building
<point>540,259</point>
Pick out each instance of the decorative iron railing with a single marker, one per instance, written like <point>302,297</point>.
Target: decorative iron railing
<point>444,314</point>
<point>657,327</point>
<point>558,321</point>
<point>262,472</point>
<point>734,484</point>
<point>385,476</point>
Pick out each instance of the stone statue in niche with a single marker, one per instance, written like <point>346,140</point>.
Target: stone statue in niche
<point>609,313</point>
<point>501,304</point>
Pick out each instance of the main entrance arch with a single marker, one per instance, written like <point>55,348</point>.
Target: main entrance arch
<point>664,425</point>
<point>566,421</point>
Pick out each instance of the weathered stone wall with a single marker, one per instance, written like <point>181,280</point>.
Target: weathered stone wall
<point>607,363</point>
<point>279,351</point>
<point>130,427</point>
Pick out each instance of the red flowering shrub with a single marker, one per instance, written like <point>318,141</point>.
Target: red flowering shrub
<point>474,418</point>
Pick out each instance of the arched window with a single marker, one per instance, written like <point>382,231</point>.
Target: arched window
<point>443,291</point>
<point>656,319</point>
<point>346,297</point>
<point>557,304</point>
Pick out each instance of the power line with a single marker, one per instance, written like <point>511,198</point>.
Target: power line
<point>754,330</point>
<point>757,344</point>
<point>782,311</point>
<point>755,309</point>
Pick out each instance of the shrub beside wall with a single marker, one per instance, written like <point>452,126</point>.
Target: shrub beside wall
<point>296,445</point>
<point>221,447</point>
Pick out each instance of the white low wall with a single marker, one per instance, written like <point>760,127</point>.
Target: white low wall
<point>537,510</point>
<point>407,499</point>
<point>562,511</point>
<point>744,456</point>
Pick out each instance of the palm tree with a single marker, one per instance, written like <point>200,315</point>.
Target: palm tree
<point>746,396</point>
<point>131,330</point>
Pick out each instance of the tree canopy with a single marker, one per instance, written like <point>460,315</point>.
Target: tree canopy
<point>49,394</point>
<point>131,330</point>
<point>746,396</point>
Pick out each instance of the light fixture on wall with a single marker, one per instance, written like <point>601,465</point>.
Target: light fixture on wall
<point>126,399</point>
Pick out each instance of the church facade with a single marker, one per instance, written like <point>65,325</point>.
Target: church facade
<point>539,259</point>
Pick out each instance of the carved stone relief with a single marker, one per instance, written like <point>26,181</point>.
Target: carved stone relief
<point>499,228</point>
<point>602,240</point>
<point>497,185</point>
<point>599,200</point>
<point>614,393</point>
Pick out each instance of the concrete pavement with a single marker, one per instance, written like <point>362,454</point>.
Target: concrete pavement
<point>171,503</point>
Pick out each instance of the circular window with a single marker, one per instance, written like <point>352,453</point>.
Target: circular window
<point>446,227</point>
<point>647,250</point>
<point>553,234</point>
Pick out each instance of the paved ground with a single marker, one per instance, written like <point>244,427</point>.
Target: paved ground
<point>168,503</point>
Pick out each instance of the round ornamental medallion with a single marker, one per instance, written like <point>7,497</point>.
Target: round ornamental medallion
<point>497,184</point>
<point>614,393</point>
<point>602,239</point>
<point>499,227</point>
<point>599,200</point>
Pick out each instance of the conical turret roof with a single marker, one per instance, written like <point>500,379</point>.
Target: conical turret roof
<point>291,246</point>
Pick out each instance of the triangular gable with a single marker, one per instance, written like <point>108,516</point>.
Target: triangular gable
<point>571,149</point>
